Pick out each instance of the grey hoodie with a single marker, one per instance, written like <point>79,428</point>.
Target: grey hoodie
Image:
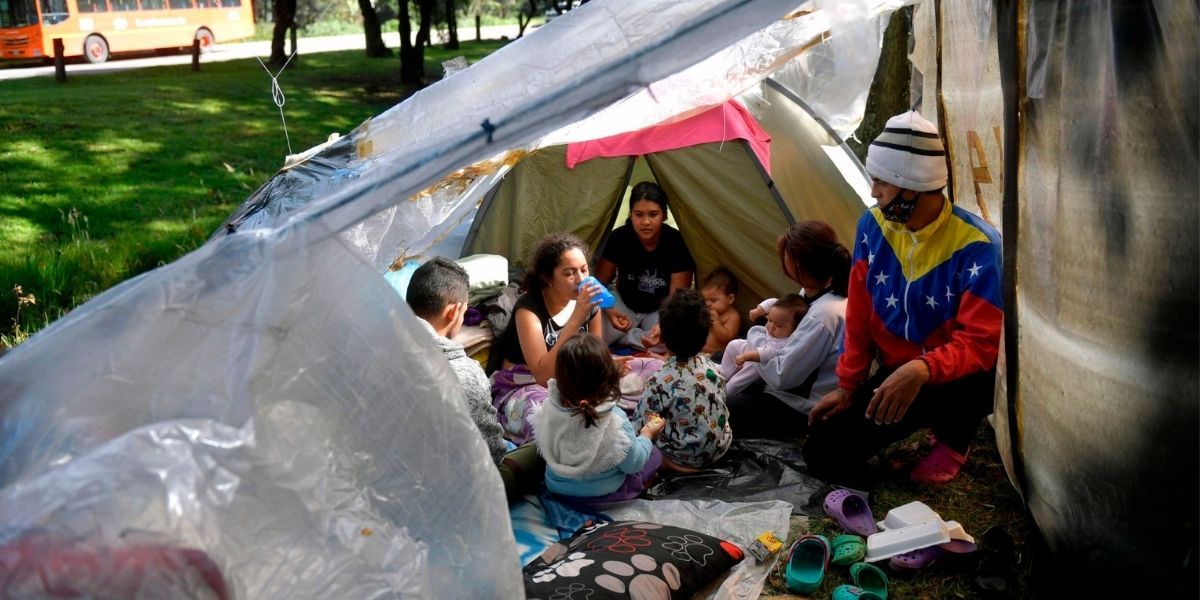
<point>479,392</point>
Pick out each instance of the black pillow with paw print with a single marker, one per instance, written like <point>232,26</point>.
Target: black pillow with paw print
<point>629,559</point>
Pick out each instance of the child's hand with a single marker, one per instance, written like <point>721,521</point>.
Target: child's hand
<point>651,339</point>
<point>619,320</point>
<point>748,356</point>
<point>654,426</point>
<point>622,364</point>
<point>757,313</point>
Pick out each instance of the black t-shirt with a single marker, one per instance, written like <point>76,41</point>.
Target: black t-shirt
<point>510,342</point>
<point>644,277</point>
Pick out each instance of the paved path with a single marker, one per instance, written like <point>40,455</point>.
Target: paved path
<point>222,52</point>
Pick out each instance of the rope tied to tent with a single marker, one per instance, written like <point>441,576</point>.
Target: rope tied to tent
<point>277,94</point>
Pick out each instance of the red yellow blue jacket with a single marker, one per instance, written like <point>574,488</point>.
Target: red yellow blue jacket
<point>932,294</point>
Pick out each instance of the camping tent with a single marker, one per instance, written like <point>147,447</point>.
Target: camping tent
<point>718,168</point>
<point>243,400</point>
<point>731,175</point>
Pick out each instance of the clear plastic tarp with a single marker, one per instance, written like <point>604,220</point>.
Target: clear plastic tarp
<point>264,418</point>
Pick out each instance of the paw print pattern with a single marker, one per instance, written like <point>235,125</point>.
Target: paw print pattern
<point>621,540</point>
<point>688,548</point>
<point>639,578</point>
<point>568,567</point>
<point>575,591</point>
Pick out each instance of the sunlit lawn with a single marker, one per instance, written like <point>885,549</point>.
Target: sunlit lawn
<point>110,175</point>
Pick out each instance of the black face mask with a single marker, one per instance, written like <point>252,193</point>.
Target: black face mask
<point>900,210</point>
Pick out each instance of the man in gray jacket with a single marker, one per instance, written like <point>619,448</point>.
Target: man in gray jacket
<point>438,294</point>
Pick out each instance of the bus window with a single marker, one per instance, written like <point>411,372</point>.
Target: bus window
<point>93,6</point>
<point>17,13</point>
<point>153,5</point>
<point>54,12</point>
<point>177,4</point>
<point>231,3</point>
<point>124,5</point>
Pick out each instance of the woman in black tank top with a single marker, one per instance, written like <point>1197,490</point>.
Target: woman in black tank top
<point>551,311</point>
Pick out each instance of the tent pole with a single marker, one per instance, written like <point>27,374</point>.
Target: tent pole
<point>1010,45</point>
<point>787,214</point>
<point>612,221</point>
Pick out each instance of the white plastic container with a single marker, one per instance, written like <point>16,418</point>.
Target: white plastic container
<point>909,514</point>
<point>887,544</point>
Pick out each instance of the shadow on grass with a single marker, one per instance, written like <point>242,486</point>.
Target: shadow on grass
<point>153,160</point>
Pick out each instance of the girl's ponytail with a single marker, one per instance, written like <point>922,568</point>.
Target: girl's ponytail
<point>588,412</point>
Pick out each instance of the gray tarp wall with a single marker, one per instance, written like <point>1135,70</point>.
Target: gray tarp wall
<point>1093,183</point>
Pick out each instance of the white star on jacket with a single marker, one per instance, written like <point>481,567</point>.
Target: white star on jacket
<point>931,302</point>
<point>974,270</point>
<point>891,300</point>
<point>881,278</point>
<point>949,294</point>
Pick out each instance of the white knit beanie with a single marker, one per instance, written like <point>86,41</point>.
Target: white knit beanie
<point>908,154</point>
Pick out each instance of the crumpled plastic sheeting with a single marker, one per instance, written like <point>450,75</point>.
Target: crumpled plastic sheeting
<point>738,522</point>
<point>292,188</point>
<point>271,403</point>
<point>410,228</point>
<point>623,46</point>
<point>971,96</point>
<point>1107,287</point>
<point>834,77</point>
<point>417,224</point>
<point>752,470</point>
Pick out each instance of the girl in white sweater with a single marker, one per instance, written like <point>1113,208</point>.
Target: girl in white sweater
<point>592,452</point>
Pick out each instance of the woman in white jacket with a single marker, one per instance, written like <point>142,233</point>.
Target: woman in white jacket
<point>796,375</point>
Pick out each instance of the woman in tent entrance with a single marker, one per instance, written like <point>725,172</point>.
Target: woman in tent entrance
<point>649,260</point>
<point>554,308</point>
<point>793,378</point>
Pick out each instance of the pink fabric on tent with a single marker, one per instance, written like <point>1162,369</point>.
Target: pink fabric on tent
<point>730,121</point>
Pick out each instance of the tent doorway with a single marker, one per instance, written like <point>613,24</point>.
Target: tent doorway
<point>729,198</point>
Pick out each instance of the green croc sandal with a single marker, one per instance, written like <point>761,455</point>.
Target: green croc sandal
<point>850,592</point>
<point>806,564</point>
<point>870,578</point>
<point>847,550</point>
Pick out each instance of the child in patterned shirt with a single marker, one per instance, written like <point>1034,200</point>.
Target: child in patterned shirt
<point>687,391</point>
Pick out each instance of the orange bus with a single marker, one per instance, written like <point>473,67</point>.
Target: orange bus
<point>95,28</point>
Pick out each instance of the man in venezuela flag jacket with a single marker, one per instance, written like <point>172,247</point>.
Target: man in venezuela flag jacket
<point>925,302</point>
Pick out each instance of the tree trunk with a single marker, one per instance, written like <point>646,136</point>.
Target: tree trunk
<point>451,26</point>
<point>889,95</point>
<point>412,56</point>
<point>285,15</point>
<point>425,26</point>
<point>522,23</point>
<point>373,31</point>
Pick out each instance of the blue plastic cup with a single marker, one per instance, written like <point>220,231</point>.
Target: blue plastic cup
<point>606,298</point>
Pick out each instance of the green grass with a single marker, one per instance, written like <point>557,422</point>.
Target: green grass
<point>980,498</point>
<point>108,176</point>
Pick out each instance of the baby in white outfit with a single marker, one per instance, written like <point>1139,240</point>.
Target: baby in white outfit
<point>782,317</point>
